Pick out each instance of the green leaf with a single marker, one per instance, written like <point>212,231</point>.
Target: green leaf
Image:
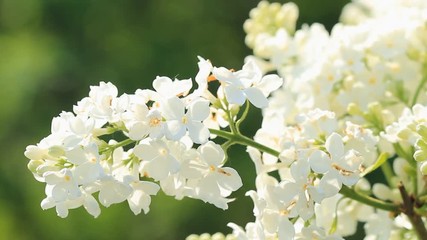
<point>382,158</point>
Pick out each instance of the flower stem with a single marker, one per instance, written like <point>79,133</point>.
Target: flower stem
<point>244,115</point>
<point>408,208</point>
<point>388,173</point>
<point>417,92</point>
<point>245,141</point>
<point>402,153</point>
<point>373,202</point>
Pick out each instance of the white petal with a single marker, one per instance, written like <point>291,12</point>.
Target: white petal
<point>320,161</point>
<point>76,156</point>
<point>224,75</point>
<point>270,221</point>
<point>140,199</point>
<point>300,169</point>
<point>205,68</point>
<point>269,83</point>
<point>92,206</point>
<point>162,167</point>
<point>286,229</point>
<point>199,110</point>
<point>146,151</point>
<point>34,152</point>
<point>138,131</point>
<point>77,125</point>
<point>198,132</point>
<point>61,210</point>
<point>256,97</point>
<point>166,87</point>
<point>149,188</point>
<point>172,108</point>
<point>234,95</point>
<point>47,203</point>
<point>229,179</point>
<point>162,85</point>
<point>87,173</point>
<point>329,185</point>
<point>57,177</point>
<point>212,153</point>
<point>351,179</point>
<point>175,130</point>
<point>114,192</point>
<point>335,146</point>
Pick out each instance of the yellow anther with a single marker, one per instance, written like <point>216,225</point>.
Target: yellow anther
<point>163,151</point>
<point>184,120</point>
<point>154,122</point>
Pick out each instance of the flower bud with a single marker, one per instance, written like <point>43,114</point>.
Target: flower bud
<point>420,155</point>
<point>422,130</point>
<point>34,164</point>
<point>354,109</point>
<point>56,151</point>
<point>423,168</point>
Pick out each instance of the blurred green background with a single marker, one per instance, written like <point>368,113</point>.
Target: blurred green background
<point>51,51</point>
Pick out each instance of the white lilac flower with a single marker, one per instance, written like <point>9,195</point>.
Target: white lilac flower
<point>157,162</point>
<point>317,123</point>
<point>346,212</point>
<point>362,140</point>
<point>140,196</point>
<point>216,182</point>
<point>216,119</point>
<point>379,226</point>
<point>165,87</point>
<point>61,187</point>
<point>175,184</point>
<point>125,168</point>
<point>248,83</point>
<point>141,121</point>
<point>86,200</point>
<point>337,165</point>
<point>205,69</point>
<point>111,190</point>
<point>179,120</point>
<point>271,210</point>
<point>86,160</point>
<point>103,104</point>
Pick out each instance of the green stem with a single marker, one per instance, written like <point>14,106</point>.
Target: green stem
<point>417,92</point>
<point>402,153</point>
<point>245,141</point>
<point>388,173</point>
<point>373,202</point>
<point>233,127</point>
<point>117,145</point>
<point>244,115</point>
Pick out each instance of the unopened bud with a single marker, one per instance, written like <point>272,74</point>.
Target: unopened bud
<point>420,155</point>
<point>34,164</point>
<point>423,168</point>
<point>56,151</point>
<point>354,109</point>
<point>422,130</point>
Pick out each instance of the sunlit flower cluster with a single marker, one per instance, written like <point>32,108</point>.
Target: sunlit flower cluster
<point>354,103</point>
<point>165,142</point>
